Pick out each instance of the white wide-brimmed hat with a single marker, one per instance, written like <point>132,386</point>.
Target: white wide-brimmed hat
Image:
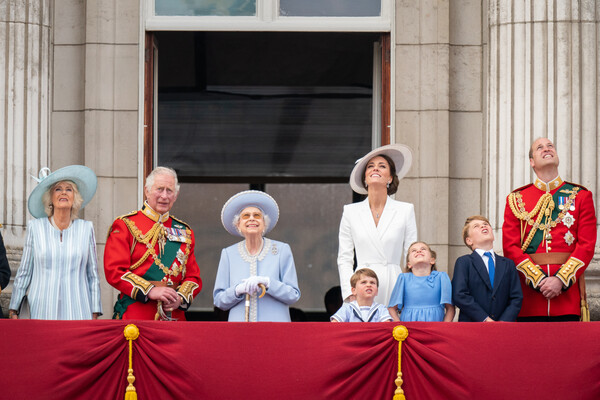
<point>82,176</point>
<point>399,153</point>
<point>245,199</point>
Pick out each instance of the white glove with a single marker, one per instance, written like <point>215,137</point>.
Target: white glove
<point>265,280</point>
<point>253,281</point>
<point>240,289</point>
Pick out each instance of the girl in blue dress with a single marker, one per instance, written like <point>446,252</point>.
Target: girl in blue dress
<point>423,293</point>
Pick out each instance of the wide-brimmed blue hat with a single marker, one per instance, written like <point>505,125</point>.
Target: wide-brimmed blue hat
<point>82,176</point>
<point>399,153</point>
<point>249,198</point>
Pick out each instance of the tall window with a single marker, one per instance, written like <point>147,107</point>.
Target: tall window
<point>264,107</point>
<point>288,113</point>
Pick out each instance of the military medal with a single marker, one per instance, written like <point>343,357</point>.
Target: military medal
<point>569,238</point>
<point>561,202</point>
<point>177,235</point>
<point>568,220</point>
<point>182,257</point>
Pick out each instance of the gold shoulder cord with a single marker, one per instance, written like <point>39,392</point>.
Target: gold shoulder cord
<point>149,240</point>
<point>543,209</point>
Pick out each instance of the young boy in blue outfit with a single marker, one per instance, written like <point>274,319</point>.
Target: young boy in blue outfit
<point>485,285</point>
<point>365,285</point>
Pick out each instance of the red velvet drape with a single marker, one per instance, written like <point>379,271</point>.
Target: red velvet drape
<point>220,360</point>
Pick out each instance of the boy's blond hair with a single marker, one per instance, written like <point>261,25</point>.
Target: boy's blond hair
<point>363,271</point>
<point>465,232</point>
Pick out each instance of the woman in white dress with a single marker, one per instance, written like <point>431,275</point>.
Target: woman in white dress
<point>59,269</point>
<point>379,229</point>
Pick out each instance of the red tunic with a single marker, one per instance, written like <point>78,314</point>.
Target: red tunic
<point>124,249</point>
<point>574,233</point>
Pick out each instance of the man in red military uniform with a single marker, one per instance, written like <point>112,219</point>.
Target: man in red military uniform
<point>149,256</point>
<point>549,232</point>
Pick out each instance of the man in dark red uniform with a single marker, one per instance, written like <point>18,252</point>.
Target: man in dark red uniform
<point>149,256</point>
<point>549,232</point>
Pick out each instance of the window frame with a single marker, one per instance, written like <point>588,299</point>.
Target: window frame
<point>267,19</point>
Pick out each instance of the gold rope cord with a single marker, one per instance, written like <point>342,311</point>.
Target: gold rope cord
<point>131,333</point>
<point>539,210</point>
<point>543,208</point>
<point>400,333</point>
<point>149,240</point>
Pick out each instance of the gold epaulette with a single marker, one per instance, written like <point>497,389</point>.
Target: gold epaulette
<point>132,213</point>
<point>0,225</point>
<point>533,273</point>
<point>522,188</point>
<point>567,271</point>
<point>578,185</point>
<point>181,222</point>
<point>120,217</point>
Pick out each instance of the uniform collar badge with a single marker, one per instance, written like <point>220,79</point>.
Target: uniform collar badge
<point>153,215</point>
<point>550,186</point>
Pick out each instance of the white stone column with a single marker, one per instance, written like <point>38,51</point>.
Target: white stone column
<point>543,81</point>
<point>24,111</point>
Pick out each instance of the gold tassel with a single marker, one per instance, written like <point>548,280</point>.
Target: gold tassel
<point>131,333</point>
<point>585,311</point>
<point>400,333</point>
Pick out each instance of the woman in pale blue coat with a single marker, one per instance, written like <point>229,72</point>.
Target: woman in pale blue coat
<point>59,271</point>
<point>254,262</point>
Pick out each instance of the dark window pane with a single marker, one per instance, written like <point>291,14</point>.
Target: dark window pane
<point>264,107</point>
<point>205,7</point>
<point>330,8</point>
<point>199,205</point>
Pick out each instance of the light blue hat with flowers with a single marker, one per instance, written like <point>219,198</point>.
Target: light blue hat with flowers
<point>80,175</point>
<point>245,199</point>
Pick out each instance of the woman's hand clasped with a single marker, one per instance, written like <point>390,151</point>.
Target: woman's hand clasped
<point>251,285</point>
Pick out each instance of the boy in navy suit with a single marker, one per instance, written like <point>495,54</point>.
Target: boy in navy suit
<point>485,286</point>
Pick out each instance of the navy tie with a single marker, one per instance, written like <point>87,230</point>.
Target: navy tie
<point>491,266</point>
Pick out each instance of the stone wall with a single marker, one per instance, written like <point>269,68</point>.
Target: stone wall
<point>439,109</point>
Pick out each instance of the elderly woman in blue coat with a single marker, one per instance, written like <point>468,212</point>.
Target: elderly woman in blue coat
<point>255,261</point>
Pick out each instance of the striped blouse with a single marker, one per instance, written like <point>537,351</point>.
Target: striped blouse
<point>60,277</point>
